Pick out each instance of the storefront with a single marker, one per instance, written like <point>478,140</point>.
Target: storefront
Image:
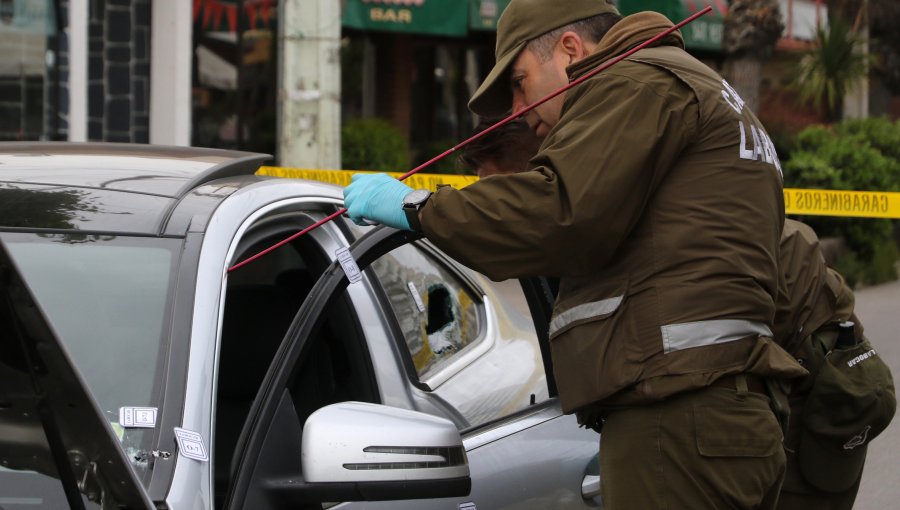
<point>423,59</point>
<point>413,62</point>
<point>416,63</point>
<point>28,70</point>
<point>234,78</point>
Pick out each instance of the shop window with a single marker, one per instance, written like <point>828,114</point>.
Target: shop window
<point>28,84</point>
<point>234,75</point>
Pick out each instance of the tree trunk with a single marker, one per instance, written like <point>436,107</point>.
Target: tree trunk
<point>744,73</point>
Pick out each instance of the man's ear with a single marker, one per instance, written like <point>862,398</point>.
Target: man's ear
<point>574,46</point>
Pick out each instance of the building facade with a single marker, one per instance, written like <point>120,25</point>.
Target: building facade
<point>248,74</point>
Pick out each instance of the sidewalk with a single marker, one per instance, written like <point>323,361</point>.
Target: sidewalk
<point>879,310</point>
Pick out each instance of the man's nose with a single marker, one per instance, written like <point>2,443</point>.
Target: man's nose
<point>518,103</point>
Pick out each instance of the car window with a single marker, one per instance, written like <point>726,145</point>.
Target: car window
<point>107,297</point>
<point>437,312</point>
<point>30,490</point>
<point>482,357</point>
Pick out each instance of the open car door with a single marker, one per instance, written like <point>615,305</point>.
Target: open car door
<point>55,446</point>
<point>348,451</point>
<point>274,461</point>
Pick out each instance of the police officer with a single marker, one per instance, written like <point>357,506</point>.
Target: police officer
<point>504,150</point>
<point>656,198</point>
<point>814,302</point>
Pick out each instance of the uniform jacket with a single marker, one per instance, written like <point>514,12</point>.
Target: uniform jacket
<point>657,200</point>
<point>811,295</point>
<point>812,298</point>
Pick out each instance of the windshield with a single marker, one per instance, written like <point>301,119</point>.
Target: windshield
<point>107,299</point>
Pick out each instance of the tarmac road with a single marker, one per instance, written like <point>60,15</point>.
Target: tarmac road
<point>879,310</point>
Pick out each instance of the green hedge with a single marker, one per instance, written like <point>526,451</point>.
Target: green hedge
<point>858,155</point>
<point>373,144</point>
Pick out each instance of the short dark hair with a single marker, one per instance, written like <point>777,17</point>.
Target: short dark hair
<point>592,29</point>
<point>509,146</point>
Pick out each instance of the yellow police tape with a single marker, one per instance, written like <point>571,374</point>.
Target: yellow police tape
<point>813,202</point>
<point>342,177</point>
<point>861,204</point>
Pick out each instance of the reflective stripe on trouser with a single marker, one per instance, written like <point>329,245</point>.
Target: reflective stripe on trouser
<point>714,448</point>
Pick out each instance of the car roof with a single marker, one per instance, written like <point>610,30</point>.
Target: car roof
<point>106,186</point>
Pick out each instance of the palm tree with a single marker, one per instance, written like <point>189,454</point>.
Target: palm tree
<point>831,68</point>
<point>752,27</point>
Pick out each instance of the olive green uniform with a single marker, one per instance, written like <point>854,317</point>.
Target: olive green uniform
<point>813,299</point>
<point>657,200</point>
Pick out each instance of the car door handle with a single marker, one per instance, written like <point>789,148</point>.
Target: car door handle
<point>590,486</point>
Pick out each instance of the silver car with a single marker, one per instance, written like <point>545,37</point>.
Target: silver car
<point>143,365</point>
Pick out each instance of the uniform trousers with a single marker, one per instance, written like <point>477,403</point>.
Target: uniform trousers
<point>714,448</point>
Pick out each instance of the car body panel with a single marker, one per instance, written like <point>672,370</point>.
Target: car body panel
<point>110,187</point>
<point>61,208</point>
<point>536,467</point>
<point>149,169</point>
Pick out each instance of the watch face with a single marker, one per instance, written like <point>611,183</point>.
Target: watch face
<point>416,196</point>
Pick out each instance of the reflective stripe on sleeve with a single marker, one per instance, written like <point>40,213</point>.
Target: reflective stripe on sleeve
<point>702,333</point>
<point>584,311</point>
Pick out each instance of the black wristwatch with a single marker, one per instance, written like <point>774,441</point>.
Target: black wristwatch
<point>412,204</point>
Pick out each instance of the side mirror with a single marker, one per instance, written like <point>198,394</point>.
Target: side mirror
<point>370,452</point>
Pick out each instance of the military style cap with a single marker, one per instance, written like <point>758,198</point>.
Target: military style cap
<point>851,402</point>
<point>522,21</point>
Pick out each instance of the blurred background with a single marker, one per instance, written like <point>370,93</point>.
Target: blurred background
<point>383,84</point>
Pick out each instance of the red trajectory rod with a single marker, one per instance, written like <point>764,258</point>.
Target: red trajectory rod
<point>476,136</point>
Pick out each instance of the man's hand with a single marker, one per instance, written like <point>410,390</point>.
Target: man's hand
<point>377,197</point>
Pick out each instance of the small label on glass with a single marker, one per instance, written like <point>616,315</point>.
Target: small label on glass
<point>348,264</point>
<point>137,417</point>
<point>416,297</point>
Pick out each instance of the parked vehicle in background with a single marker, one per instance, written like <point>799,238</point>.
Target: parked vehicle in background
<point>137,372</point>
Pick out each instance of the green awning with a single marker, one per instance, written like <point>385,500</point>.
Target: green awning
<point>704,33</point>
<point>429,17</point>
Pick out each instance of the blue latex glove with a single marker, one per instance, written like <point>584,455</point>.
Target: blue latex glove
<point>377,197</point>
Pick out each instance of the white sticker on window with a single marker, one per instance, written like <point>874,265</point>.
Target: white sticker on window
<point>190,444</point>
<point>348,264</point>
<point>416,297</point>
<point>137,417</point>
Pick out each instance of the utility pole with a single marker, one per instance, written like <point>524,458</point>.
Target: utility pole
<point>309,91</point>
